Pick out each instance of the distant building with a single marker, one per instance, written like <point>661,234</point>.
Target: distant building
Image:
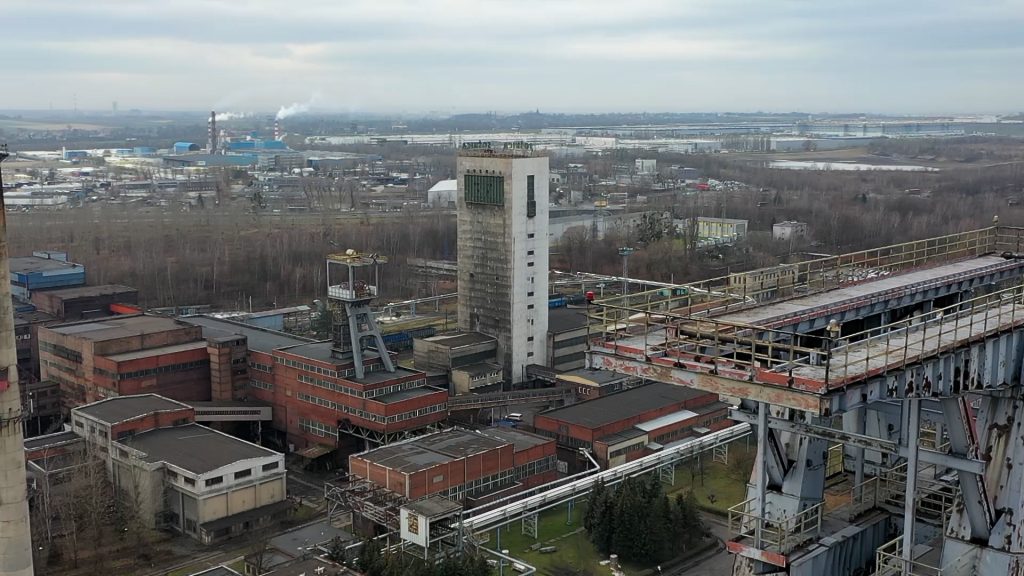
<point>184,476</point>
<point>503,251</point>
<point>44,270</point>
<point>80,303</point>
<point>567,339</point>
<point>624,426</point>
<point>789,230</point>
<point>470,354</point>
<point>443,194</point>
<point>590,383</point>
<point>125,355</point>
<point>646,166</point>
<point>470,467</point>
<point>723,229</point>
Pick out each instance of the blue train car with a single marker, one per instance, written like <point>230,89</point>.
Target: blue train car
<point>557,300</point>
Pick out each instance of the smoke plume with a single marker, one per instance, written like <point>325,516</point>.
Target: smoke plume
<point>297,107</point>
<point>222,116</point>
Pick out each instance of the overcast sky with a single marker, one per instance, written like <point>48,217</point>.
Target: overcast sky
<point>889,56</point>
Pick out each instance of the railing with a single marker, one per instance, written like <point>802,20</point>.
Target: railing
<point>343,291</point>
<point>889,562</point>
<point>781,536</point>
<point>934,498</point>
<point>907,341</point>
<point>738,290</point>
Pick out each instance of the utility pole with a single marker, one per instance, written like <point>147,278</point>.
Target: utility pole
<point>625,251</point>
<point>15,536</point>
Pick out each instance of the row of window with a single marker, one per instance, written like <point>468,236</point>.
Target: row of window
<point>395,388</point>
<point>626,450</point>
<point>308,367</point>
<point>359,413</point>
<point>318,428</point>
<point>180,367</point>
<point>60,351</point>
<point>260,384</point>
<point>261,367</point>
<point>330,386</point>
<point>58,366</point>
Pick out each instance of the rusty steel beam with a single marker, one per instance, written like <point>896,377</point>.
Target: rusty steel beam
<point>772,394</point>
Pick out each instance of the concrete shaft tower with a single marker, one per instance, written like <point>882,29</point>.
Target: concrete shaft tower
<point>15,536</point>
<point>503,250</point>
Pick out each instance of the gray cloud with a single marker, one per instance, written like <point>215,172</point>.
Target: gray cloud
<point>388,55</point>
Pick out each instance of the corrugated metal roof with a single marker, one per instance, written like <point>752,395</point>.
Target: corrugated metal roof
<point>666,420</point>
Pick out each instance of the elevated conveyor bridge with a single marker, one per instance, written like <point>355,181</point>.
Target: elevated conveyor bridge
<point>865,339</point>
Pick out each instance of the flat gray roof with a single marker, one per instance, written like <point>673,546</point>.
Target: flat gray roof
<point>115,327</point>
<point>85,291</point>
<point>434,507</point>
<point>426,451</point>
<point>50,440</point>
<point>459,339</point>
<point>519,439</point>
<point>622,405</point>
<point>383,376</point>
<point>123,408</point>
<point>566,319</point>
<point>195,448</point>
<point>123,357</point>
<point>30,264</point>
<point>258,339</point>
<point>404,394</point>
<point>478,369</point>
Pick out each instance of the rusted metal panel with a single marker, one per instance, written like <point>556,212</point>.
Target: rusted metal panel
<point>723,386</point>
<point>773,558</point>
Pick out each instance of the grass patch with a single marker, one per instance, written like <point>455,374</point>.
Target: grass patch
<point>575,552</point>
<point>721,485</point>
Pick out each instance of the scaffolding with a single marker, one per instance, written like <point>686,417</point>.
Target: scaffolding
<point>365,499</point>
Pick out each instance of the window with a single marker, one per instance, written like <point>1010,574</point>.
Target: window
<point>529,252</point>
<point>172,474</point>
<point>529,339</point>
<point>125,434</point>
<point>214,481</point>
<point>531,201</point>
<point>529,264</point>
<point>189,481</point>
<point>529,294</point>
<point>530,235</point>
<point>484,189</point>
<point>269,467</point>
<point>243,473</point>
<point>529,306</point>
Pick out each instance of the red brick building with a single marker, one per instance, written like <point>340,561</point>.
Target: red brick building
<point>125,355</point>
<point>624,426</point>
<point>316,396</point>
<point>473,467</point>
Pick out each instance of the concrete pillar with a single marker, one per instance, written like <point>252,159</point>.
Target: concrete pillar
<point>761,482</point>
<point>913,435</point>
<point>15,536</point>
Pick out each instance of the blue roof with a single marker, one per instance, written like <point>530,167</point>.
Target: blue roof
<point>183,144</point>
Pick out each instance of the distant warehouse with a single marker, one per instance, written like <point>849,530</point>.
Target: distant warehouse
<point>624,426</point>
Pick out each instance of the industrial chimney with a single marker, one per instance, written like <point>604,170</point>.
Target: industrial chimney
<point>277,129</point>
<point>212,133</point>
<point>15,536</point>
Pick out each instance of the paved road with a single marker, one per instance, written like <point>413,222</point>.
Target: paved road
<point>719,564</point>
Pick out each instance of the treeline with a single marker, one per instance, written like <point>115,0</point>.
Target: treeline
<point>225,257</point>
<point>640,523</point>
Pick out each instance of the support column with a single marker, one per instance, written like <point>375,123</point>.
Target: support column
<point>913,435</point>
<point>858,453</point>
<point>761,482</point>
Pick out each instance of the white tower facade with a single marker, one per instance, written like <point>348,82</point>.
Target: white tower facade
<point>503,251</point>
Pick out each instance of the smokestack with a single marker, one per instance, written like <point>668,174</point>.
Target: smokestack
<point>277,129</point>
<point>212,133</point>
<point>15,537</point>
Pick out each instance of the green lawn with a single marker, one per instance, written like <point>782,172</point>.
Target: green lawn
<point>728,484</point>
<point>574,551</point>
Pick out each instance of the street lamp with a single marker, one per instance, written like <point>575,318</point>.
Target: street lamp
<point>625,251</point>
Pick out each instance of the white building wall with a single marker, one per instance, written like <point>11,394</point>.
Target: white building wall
<point>503,260</point>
